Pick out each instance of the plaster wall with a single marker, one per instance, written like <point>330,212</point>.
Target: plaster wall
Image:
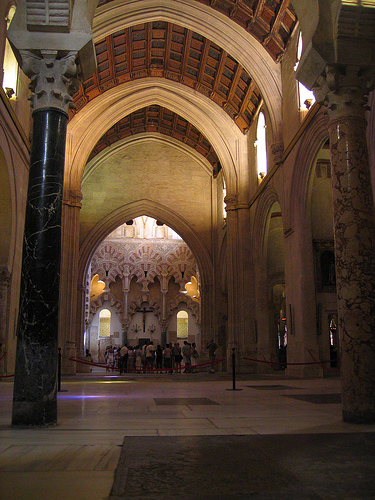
<point>290,105</point>
<point>321,204</point>
<point>14,158</point>
<point>149,169</point>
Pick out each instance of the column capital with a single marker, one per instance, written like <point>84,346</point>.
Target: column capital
<point>74,199</point>
<point>231,201</point>
<point>52,79</point>
<point>344,89</point>
<point>277,150</point>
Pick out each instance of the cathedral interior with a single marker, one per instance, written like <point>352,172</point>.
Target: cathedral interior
<point>187,170</point>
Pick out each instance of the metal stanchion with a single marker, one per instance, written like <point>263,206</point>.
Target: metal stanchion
<point>234,372</point>
<point>59,371</point>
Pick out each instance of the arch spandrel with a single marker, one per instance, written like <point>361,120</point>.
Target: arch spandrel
<point>86,128</point>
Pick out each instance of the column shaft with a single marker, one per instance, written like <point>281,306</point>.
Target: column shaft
<point>355,269</point>
<point>35,383</point>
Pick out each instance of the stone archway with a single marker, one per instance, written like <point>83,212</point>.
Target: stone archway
<point>155,210</point>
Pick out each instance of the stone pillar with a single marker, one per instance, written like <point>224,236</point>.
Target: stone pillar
<point>240,327</point>
<point>354,233</point>
<point>68,337</point>
<point>35,383</point>
<point>4,290</point>
<point>164,330</point>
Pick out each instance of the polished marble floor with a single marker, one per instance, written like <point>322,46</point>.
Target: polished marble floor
<point>77,458</point>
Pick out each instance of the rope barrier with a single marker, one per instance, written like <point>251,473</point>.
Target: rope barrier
<point>5,376</point>
<point>319,363</point>
<point>147,370</point>
<point>285,364</point>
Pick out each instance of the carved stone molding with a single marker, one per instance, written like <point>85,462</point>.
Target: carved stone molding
<point>231,201</point>
<point>277,150</point>
<point>344,89</point>
<point>53,79</point>
<point>74,199</point>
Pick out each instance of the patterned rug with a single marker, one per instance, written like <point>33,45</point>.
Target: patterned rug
<point>308,466</point>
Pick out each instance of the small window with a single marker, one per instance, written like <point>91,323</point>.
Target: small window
<point>105,323</point>
<point>10,75</point>
<point>261,146</point>
<point>224,204</point>
<point>182,324</point>
<point>306,96</point>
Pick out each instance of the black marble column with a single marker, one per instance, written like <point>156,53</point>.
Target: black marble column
<point>35,384</point>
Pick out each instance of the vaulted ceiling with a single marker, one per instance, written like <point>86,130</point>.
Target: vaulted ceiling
<point>163,121</point>
<point>165,50</point>
<point>271,22</point>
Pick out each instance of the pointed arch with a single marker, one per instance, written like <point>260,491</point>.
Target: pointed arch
<point>86,128</point>
<point>266,200</point>
<point>157,211</point>
<point>204,20</point>
<point>310,144</point>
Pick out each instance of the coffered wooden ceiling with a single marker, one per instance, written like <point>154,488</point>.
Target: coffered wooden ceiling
<point>160,120</point>
<point>271,22</point>
<point>165,50</point>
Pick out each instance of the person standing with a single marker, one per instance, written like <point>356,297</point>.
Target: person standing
<point>138,359</point>
<point>150,355</point>
<point>176,351</point>
<point>194,357</point>
<point>186,353</point>
<point>212,346</point>
<point>159,357</point>
<point>124,354</point>
<point>168,359</point>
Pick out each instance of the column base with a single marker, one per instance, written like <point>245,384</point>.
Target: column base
<point>37,413</point>
<point>69,351</point>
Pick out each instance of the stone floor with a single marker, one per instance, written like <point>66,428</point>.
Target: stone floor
<point>111,429</point>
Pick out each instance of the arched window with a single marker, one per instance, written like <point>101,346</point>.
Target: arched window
<point>10,75</point>
<point>224,195</point>
<point>306,96</point>
<point>105,323</point>
<point>182,325</point>
<point>261,146</point>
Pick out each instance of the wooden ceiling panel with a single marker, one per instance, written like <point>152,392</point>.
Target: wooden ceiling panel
<point>164,50</point>
<point>161,49</point>
<point>164,121</point>
<point>271,22</point>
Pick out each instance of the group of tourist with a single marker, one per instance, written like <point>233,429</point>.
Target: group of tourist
<point>143,358</point>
